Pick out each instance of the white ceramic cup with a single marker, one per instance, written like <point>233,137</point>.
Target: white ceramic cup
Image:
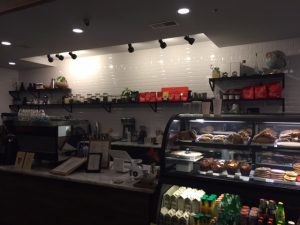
<point>205,108</point>
<point>217,104</point>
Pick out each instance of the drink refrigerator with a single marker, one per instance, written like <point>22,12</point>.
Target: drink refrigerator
<point>246,158</point>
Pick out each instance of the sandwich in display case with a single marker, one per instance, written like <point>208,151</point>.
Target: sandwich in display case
<point>251,156</point>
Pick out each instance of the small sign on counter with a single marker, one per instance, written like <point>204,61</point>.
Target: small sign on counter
<point>24,160</point>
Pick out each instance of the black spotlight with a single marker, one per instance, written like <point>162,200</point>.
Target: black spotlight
<point>162,44</point>
<point>50,59</point>
<point>189,39</point>
<point>73,55</point>
<point>60,57</point>
<point>130,48</point>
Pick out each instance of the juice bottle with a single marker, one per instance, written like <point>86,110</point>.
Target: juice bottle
<point>204,204</point>
<point>209,204</point>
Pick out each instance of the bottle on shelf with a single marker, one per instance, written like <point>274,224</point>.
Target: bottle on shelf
<point>271,209</point>
<point>52,84</point>
<point>256,69</point>
<point>280,214</point>
<point>22,87</point>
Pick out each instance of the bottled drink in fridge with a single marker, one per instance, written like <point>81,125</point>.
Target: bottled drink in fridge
<point>280,215</point>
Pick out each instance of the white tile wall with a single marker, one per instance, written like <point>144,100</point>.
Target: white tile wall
<point>8,79</point>
<point>151,69</point>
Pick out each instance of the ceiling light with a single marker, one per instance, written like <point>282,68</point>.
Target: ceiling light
<point>162,44</point>
<point>6,43</point>
<point>12,63</point>
<point>50,59</point>
<point>183,11</point>
<point>130,48</point>
<point>77,30</point>
<point>189,39</point>
<point>60,57</point>
<point>73,55</point>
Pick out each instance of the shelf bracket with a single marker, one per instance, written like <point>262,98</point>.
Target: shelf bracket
<point>283,82</point>
<point>68,107</point>
<point>107,107</point>
<point>36,95</point>
<point>153,106</point>
<point>211,84</point>
<point>14,94</point>
<point>14,108</point>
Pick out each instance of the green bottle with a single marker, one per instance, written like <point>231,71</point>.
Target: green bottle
<point>280,215</point>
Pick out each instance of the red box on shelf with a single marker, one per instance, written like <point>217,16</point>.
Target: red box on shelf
<point>177,96</point>
<point>171,96</point>
<point>142,97</point>
<point>152,96</point>
<point>176,93</point>
<point>184,96</point>
<point>159,96</point>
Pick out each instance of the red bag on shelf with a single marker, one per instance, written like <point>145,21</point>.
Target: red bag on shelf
<point>275,90</point>
<point>248,93</point>
<point>260,91</point>
<point>142,97</point>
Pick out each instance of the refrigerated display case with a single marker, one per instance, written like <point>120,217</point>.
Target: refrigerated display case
<point>253,156</point>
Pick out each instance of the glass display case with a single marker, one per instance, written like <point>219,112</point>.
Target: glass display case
<point>253,156</point>
<point>240,148</point>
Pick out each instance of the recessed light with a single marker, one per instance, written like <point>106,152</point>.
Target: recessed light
<point>6,43</point>
<point>77,30</point>
<point>12,63</point>
<point>183,11</point>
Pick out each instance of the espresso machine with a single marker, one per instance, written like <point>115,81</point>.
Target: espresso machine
<point>128,128</point>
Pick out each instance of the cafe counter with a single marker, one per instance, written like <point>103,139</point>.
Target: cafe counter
<point>39,197</point>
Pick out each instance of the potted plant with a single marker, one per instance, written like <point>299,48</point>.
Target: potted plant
<point>215,71</point>
<point>126,95</point>
<point>61,82</point>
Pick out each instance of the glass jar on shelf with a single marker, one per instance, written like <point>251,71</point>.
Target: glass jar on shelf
<point>93,99</point>
<point>81,99</point>
<point>98,97</point>
<point>105,97</point>
<point>89,98</point>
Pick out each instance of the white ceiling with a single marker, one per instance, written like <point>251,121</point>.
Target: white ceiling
<point>47,28</point>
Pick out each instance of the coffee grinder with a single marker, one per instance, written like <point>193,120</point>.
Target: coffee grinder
<point>128,128</point>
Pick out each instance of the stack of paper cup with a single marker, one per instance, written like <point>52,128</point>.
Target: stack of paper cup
<point>217,105</point>
<point>206,108</point>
